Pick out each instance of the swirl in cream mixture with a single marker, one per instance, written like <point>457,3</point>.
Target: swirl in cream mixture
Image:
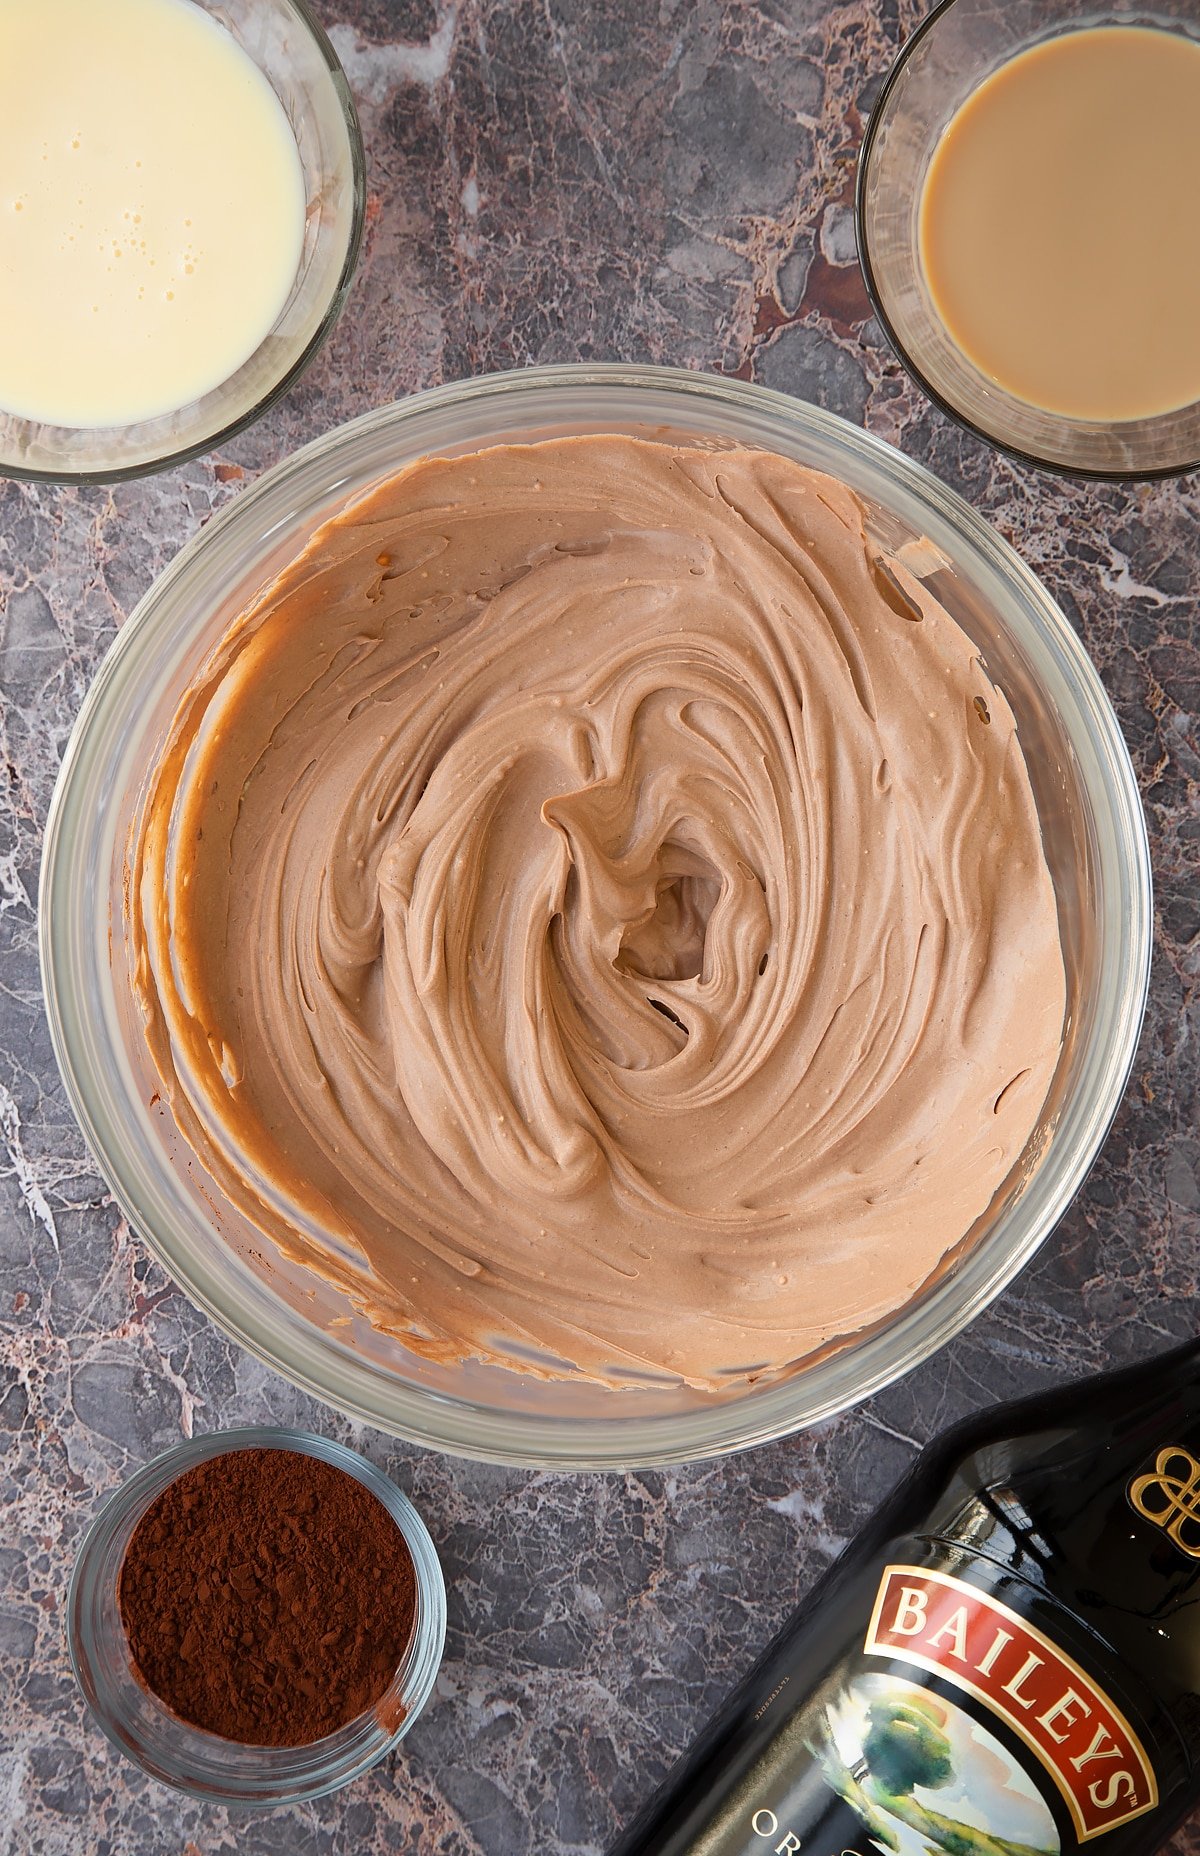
<point>592,907</point>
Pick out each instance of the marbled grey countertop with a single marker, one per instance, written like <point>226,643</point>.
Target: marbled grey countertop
<point>551,180</point>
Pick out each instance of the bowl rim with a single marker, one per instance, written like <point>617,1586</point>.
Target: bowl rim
<point>422,1416</point>
<point>182,454</point>
<point>1074,472</point>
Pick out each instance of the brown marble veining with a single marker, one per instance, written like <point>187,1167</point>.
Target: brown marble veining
<point>553,180</point>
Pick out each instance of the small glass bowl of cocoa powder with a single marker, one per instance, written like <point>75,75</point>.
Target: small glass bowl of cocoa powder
<point>257,1616</point>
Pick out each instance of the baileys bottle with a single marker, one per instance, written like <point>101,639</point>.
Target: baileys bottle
<point>1006,1662</point>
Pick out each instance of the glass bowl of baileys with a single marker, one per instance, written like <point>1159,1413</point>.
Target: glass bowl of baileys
<point>1027,237</point>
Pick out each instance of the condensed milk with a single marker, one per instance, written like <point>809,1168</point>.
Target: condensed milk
<point>1060,224</point>
<point>152,208</point>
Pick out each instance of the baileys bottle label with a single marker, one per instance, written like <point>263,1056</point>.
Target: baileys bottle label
<point>971,1640</point>
<point>956,1726</point>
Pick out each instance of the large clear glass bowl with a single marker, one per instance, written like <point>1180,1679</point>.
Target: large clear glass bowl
<point>288,44</point>
<point>1091,822</point>
<point>955,48</point>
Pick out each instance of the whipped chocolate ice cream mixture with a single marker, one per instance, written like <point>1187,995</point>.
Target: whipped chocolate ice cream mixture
<point>592,908</point>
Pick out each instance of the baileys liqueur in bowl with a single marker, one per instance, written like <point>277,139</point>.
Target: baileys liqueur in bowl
<point>1006,1662</point>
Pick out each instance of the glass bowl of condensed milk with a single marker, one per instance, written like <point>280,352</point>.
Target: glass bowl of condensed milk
<point>1029,227</point>
<point>180,218</point>
<point>1027,667</point>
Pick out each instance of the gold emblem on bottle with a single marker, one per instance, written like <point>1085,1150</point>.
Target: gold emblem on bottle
<point>1170,1498</point>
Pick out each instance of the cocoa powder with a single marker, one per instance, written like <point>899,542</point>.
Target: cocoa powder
<point>268,1597</point>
